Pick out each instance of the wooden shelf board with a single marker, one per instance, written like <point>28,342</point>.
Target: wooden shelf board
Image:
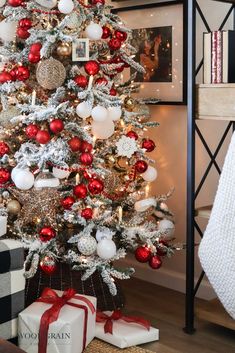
<point>216,85</point>
<point>212,117</point>
<point>214,312</point>
<point>203,212</point>
<point>228,1</point>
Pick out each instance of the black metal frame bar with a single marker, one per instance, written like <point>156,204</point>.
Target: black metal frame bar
<point>193,129</point>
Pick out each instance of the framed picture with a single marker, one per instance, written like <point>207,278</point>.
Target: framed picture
<point>159,34</point>
<point>80,50</point>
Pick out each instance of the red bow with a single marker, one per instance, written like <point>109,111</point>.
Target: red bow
<point>49,296</point>
<point>117,315</point>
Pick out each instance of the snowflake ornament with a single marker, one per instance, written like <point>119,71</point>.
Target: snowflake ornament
<point>126,146</point>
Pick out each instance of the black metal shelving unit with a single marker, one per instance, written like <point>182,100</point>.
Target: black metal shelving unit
<point>194,10</point>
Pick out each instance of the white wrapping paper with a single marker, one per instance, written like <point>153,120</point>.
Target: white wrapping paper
<point>126,334</point>
<point>64,336</point>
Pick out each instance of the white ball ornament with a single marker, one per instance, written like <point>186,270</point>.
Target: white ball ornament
<point>99,113</point>
<point>106,249</point>
<point>144,205</point>
<point>150,174</point>
<point>168,227</point>
<point>24,180</point>
<point>2,2</point>
<point>87,245</point>
<point>114,113</point>
<point>8,30</point>
<point>94,31</point>
<point>103,130</point>
<point>15,171</point>
<point>103,235</point>
<point>83,110</point>
<point>65,6</point>
<point>60,173</point>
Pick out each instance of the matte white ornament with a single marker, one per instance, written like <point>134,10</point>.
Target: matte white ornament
<point>106,249</point>
<point>60,173</point>
<point>3,225</point>
<point>99,113</point>
<point>2,2</point>
<point>83,110</point>
<point>114,113</point>
<point>87,245</point>
<point>15,171</point>
<point>103,130</point>
<point>8,30</point>
<point>144,205</point>
<point>65,6</point>
<point>168,227</point>
<point>49,4</point>
<point>24,180</point>
<point>104,234</point>
<point>150,174</point>
<point>94,31</point>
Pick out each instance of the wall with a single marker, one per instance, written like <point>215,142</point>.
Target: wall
<point>170,156</point>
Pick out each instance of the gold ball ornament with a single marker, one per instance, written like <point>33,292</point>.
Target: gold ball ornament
<point>51,74</point>
<point>13,207</point>
<point>64,49</point>
<point>129,104</point>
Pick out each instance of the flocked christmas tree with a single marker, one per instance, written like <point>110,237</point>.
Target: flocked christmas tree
<point>74,151</point>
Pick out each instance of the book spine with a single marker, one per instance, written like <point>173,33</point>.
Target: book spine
<point>214,57</point>
<point>219,66</point>
<point>207,57</point>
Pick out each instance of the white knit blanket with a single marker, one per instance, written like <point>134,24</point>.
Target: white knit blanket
<point>217,248</point>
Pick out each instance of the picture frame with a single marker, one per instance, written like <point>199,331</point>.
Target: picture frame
<point>80,50</point>
<point>160,37</point>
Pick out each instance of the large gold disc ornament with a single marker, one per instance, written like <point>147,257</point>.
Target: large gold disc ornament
<point>51,74</point>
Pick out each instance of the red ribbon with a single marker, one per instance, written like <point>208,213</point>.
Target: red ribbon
<point>117,315</point>
<point>51,315</point>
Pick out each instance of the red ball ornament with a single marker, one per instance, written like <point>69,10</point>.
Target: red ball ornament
<point>34,58</point>
<point>87,175</point>
<point>143,254</point>
<point>48,265</point>
<point>5,77</point>
<point>22,73</point>
<point>4,148</point>
<point>122,36</point>
<point>132,135</point>
<point>149,145</point>
<point>25,23</point>
<point>87,213</point>
<point>75,144</point>
<point>4,175</point>
<point>96,2</point>
<point>22,33</point>
<point>92,67</point>
<point>101,80</point>
<point>67,202</point>
<point>13,73</point>
<point>15,3</point>
<point>114,44</point>
<point>35,48</point>
<point>56,126</point>
<point>80,191</point>
<point>155,262</point>
<point>141,166</point>
<point>86,147</point>
<point>31,131</point>
<point>106,32</point>
<point>86,158</point>
<point>113,92</point>
<point>47,233</point>
<point>95,186</point>
<point>43,137</point>
<point>81,81</point>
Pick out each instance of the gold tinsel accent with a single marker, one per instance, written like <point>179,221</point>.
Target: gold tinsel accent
<point>38,206</point>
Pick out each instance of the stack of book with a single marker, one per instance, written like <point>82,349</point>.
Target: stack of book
<point>219,57</point>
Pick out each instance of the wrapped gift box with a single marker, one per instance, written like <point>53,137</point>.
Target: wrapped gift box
<point>126,334</point>
<point>65,335</point>
<point>12,286</point>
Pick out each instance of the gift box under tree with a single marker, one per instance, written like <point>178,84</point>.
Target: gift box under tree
<point>12,286</point>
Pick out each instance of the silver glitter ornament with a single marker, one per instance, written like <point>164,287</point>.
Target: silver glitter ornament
<point>87,245</point>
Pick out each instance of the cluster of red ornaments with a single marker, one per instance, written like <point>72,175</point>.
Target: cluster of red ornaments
<point>143,254</point>
<point>77,145</point>
<point>4,148</point>
<point>20,73</point>
<point>117,38</point>
<point>34,132</point>
<point>23,28</point>
<point>5,176</point>
<point>34,53</point>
